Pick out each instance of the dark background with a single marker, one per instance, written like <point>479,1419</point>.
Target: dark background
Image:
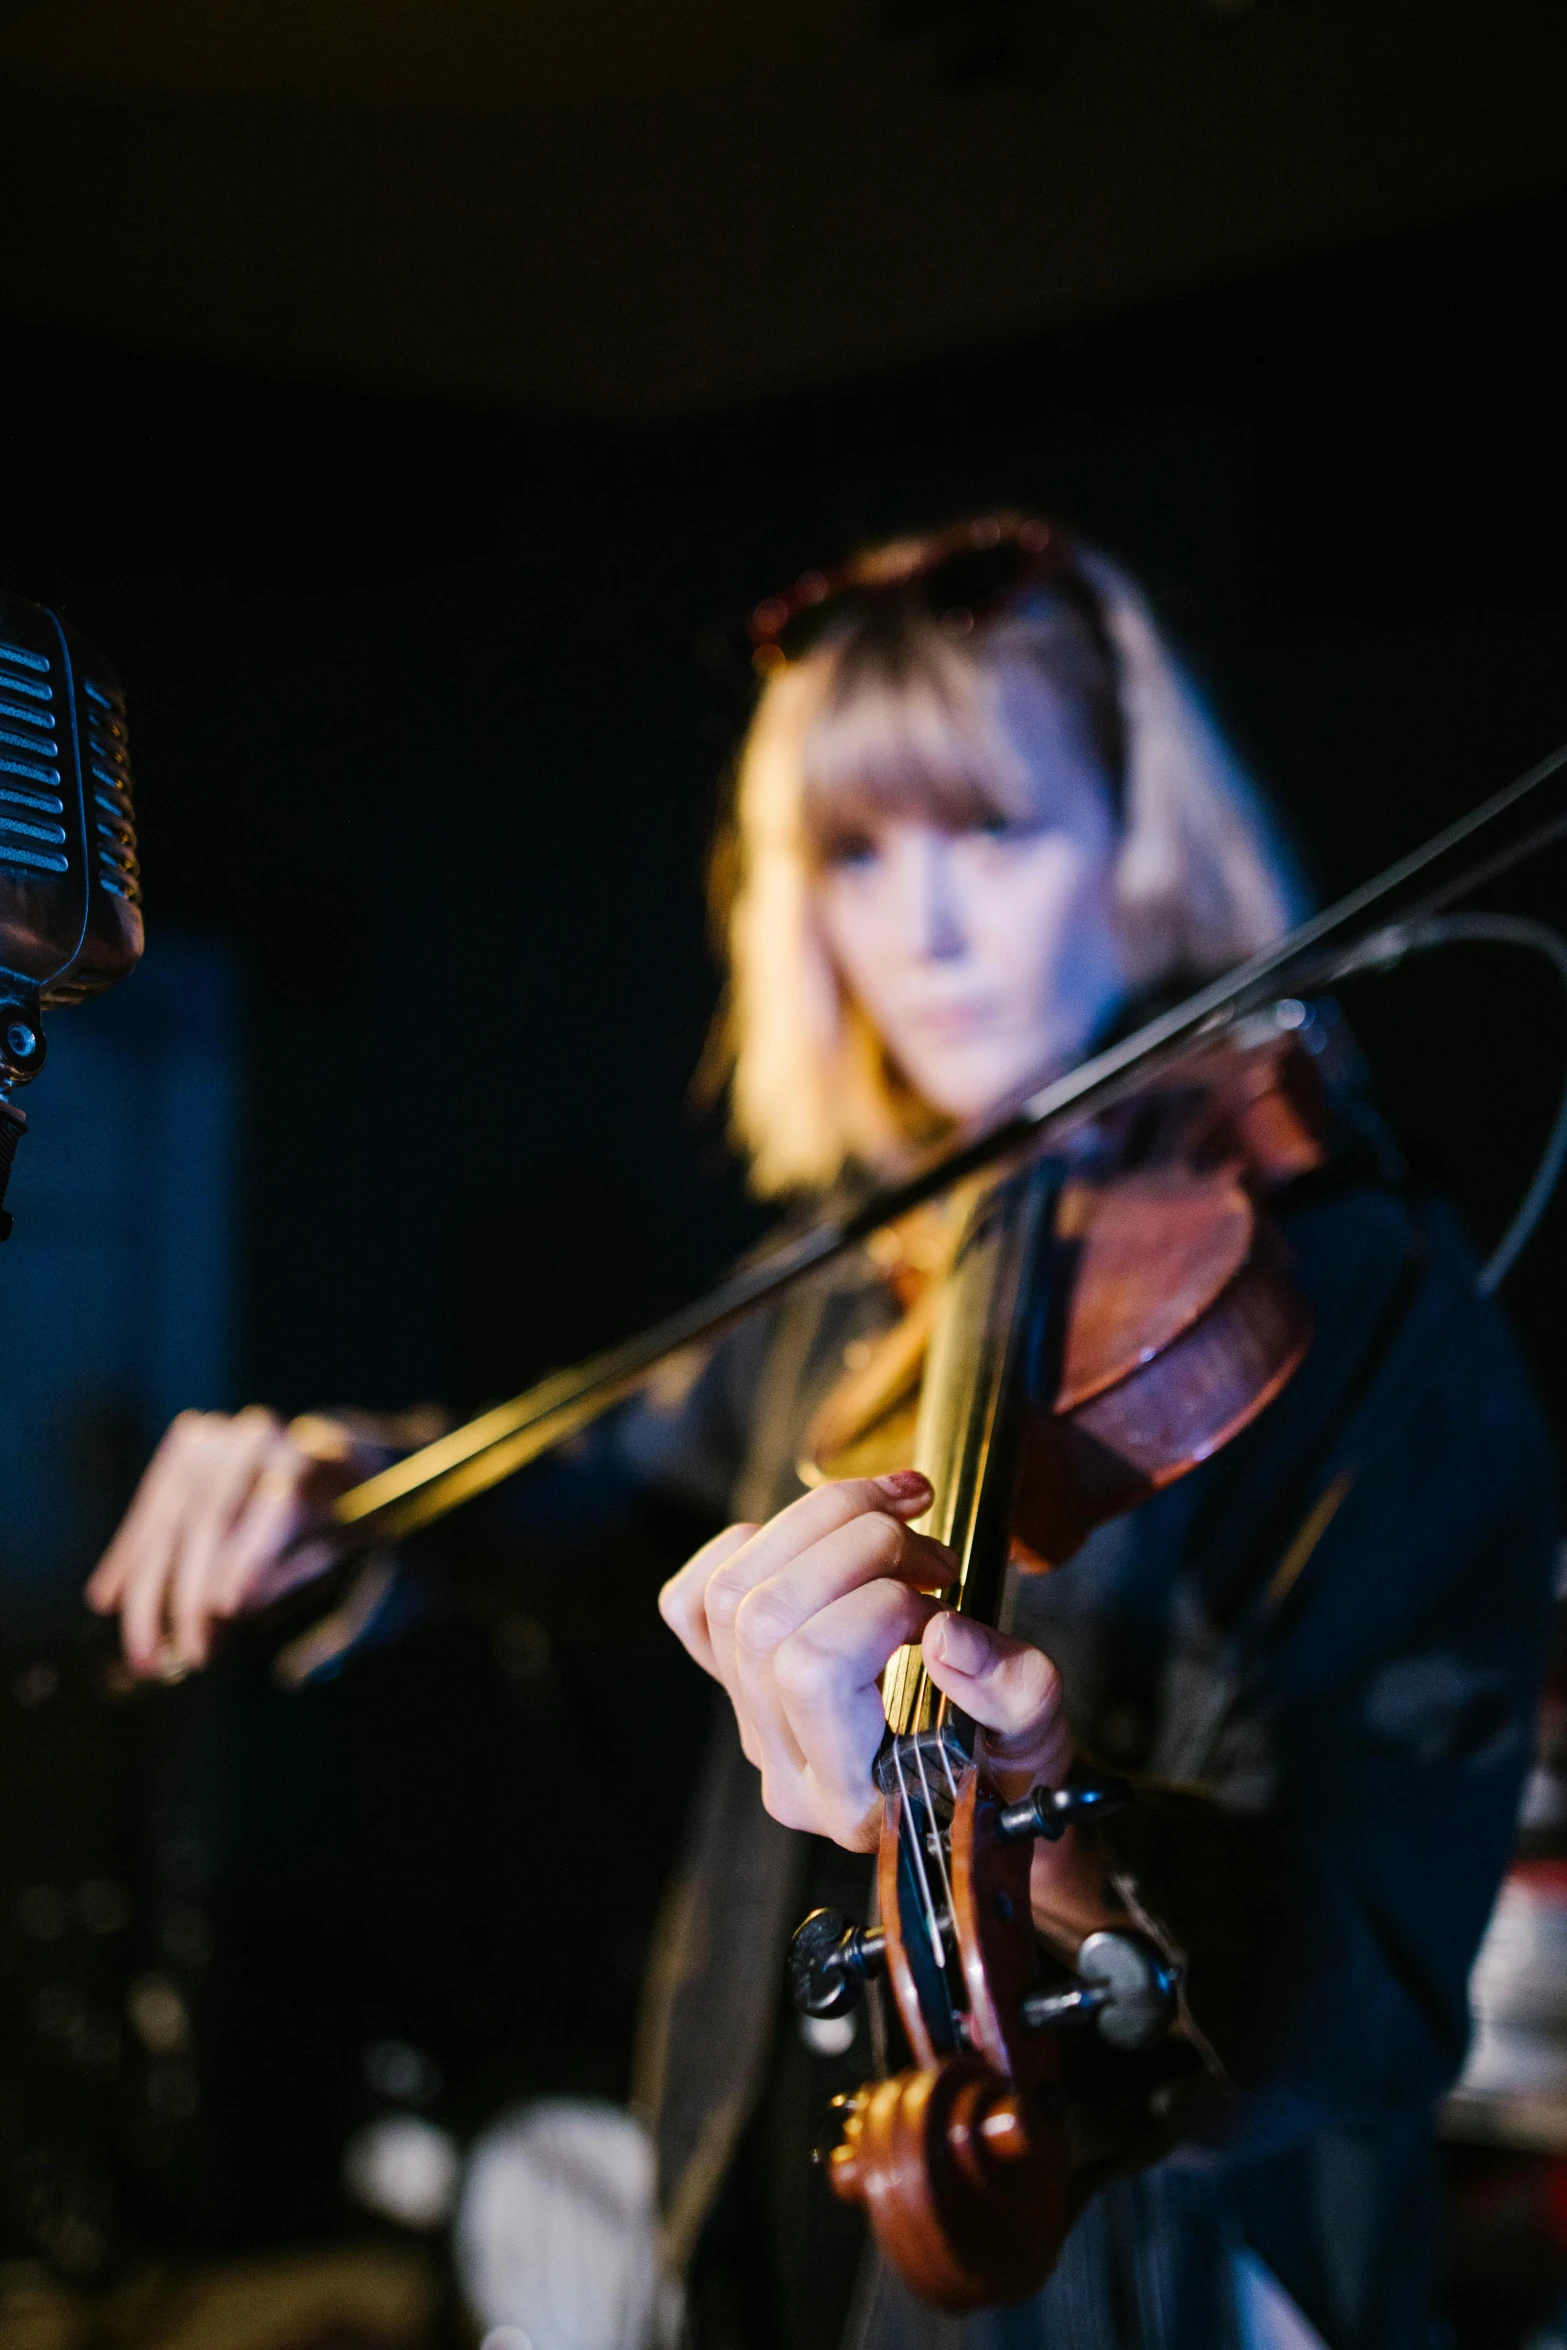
<point>431,693</point>
<point>431,706</point>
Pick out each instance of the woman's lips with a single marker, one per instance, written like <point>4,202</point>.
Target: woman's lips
<point>954,1023</point>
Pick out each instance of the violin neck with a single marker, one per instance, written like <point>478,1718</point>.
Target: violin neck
<point>994,1303</point>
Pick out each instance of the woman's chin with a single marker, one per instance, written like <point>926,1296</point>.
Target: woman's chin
<point>974,1100</point>
<point>977,1093</point>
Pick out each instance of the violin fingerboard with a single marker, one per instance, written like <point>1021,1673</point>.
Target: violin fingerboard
<point>966,1435</point>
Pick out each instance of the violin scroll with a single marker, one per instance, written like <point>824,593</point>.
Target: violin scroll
<point>962,2162</point>
<point>966,2185</point>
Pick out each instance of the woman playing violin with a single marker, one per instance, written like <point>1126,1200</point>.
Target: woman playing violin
<point>980,820</point>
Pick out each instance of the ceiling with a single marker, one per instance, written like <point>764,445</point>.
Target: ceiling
<point>637,210</point>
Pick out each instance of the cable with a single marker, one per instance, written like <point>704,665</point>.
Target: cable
<point>1387,949</point>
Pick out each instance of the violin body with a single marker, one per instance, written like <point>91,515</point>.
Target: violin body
<point>1152,1384</point>
<point>1180,1321</point>
<point>1102,1323</point>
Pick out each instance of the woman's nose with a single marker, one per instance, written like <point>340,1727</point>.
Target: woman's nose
<point>935,915</point>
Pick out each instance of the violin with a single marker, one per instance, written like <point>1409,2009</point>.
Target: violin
<point>1108,1319</point>
<point>1113,1305</point>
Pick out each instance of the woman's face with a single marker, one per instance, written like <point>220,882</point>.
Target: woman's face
<point>986,957</point>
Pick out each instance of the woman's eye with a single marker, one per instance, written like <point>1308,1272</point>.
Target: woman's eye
<point>1003,828</point>
<point>852,852</point>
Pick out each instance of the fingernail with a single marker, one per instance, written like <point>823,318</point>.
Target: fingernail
<point>904,1484</point>
<point>959,1643</point>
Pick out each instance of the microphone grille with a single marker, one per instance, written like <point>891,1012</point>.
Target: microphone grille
<point>108,783</point>
<point>32,724</point>
<point>70,880</point>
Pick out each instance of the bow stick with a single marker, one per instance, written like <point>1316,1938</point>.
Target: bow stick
<point>1353,934</point>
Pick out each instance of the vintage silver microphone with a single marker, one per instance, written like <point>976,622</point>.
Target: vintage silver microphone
<point>70,886</point>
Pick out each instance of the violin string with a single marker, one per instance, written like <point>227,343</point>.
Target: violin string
<point>916,1842</point>
<point>946,1764</point>
<point>932,1921</point>
<point>935,1829</point>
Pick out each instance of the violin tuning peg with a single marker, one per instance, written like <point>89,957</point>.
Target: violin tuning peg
<point>1074,2003</point>
<point>1139,1984</point>
<point>1125,1985</point>
<point>831,1960</point>
<point>838,2125</point>
<point>1050,1811</point>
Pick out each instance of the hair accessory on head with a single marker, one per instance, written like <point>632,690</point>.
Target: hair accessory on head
<point>959,576</point>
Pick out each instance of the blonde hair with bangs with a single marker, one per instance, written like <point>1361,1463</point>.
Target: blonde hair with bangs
<point>901,717</point>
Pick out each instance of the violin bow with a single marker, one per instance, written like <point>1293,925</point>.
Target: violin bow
<point>1360,930</point>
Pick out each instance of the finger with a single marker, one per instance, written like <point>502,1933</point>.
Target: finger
<point>107,1580</point>
<point>254,1437</point>
<point>823,1682</point>
<point>1011,1689</point>
<point>142,1612</point>
<point>106,1585</point>
<point>328,1441</point>
<point>142,1608</point>
<point>285,1534</point>
<point>866,1550</point>
<point>903,1494</point>
<point>870,1554</point>
<point>261,1554</point>
<point>154,1542</point>
<point>683,1600</point>
<point>875,1504</point>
